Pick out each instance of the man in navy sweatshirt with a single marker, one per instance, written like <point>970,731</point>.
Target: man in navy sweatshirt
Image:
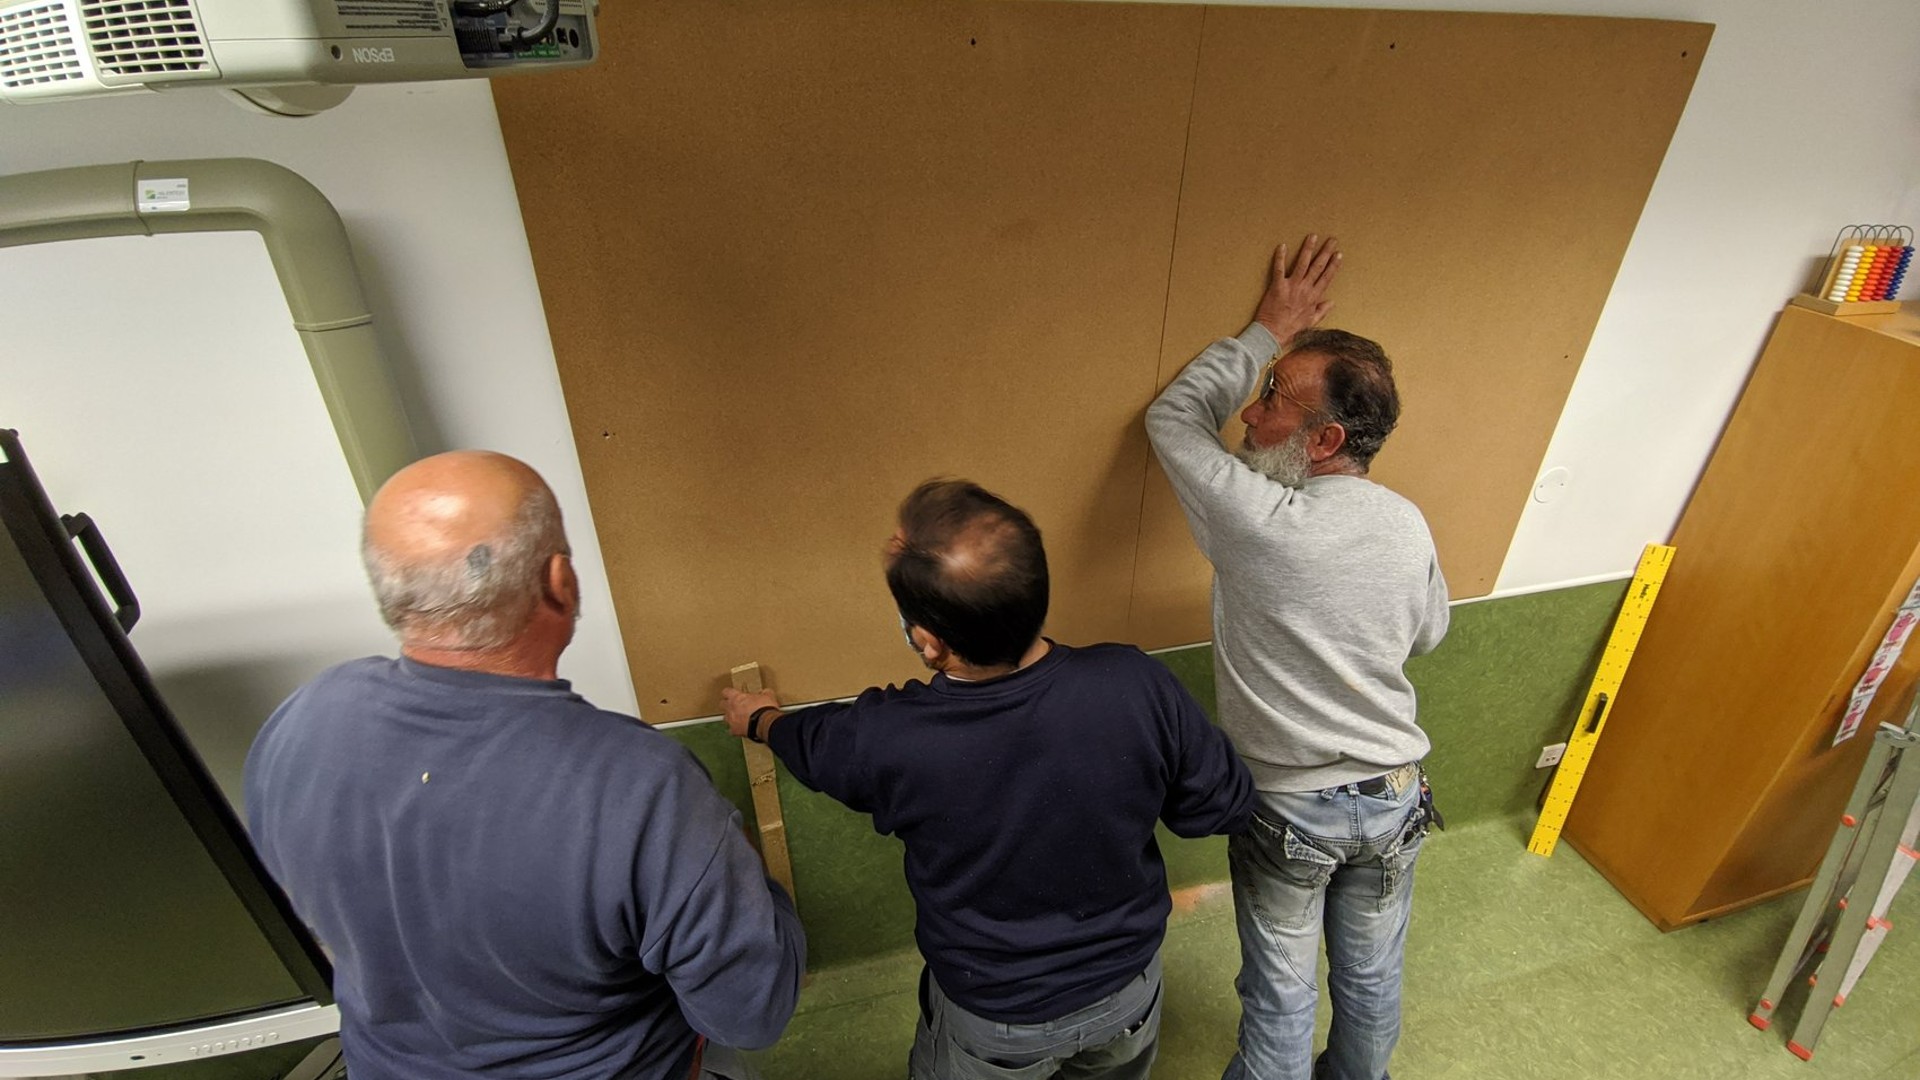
<point>511,882</point>
<point>1025,778</point>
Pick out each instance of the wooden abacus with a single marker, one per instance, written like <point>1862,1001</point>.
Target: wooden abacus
<point>1863,271</point>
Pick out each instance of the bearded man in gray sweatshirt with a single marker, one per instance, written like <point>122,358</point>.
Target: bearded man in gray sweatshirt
<point>1324,584</point>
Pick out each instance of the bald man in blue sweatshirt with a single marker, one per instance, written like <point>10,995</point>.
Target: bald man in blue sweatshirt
<point>511,882</point>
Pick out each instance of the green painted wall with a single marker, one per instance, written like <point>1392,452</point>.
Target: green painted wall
<point>1505,683</point>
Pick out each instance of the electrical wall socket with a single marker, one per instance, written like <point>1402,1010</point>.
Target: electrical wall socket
<point>1551,755</point>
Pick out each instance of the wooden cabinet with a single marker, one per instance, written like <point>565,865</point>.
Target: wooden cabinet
<point>1716,784</point>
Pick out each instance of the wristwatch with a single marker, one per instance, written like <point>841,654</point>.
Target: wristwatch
<point>753,722</point>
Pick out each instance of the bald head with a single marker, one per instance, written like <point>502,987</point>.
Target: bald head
<point>968,567</point>
<point>456,547</point>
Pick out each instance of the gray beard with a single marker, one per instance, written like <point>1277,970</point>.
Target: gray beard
<point>1286,464</point>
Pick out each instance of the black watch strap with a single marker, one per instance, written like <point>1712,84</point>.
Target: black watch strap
<point>753,722</point>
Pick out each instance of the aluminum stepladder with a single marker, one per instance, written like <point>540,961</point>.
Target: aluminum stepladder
<point>1873,845</point>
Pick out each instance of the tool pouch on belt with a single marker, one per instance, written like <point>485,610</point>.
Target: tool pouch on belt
<point>1427,808</point>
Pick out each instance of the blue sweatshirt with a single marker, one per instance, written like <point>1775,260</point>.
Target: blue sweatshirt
<point>514,883</point>
<point>1027,804</point>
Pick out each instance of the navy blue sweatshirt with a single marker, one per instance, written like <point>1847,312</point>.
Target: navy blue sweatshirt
<point>1027,804</point>
<point>514,883</point>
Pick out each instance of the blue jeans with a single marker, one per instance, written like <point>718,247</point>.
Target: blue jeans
<point>1112,1039</point>
<point>1340,858</point>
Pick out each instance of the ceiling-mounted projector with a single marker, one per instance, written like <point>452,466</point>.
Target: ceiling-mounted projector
<point>289,56</point>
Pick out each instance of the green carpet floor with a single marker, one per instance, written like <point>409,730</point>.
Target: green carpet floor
<point>1517,968</point>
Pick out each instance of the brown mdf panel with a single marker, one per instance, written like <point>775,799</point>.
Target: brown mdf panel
<point>1484,172</point>
<point>797,257</point>
<point>1800,531</point>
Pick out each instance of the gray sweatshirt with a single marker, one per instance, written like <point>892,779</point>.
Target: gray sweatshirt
<point>1320,592</point>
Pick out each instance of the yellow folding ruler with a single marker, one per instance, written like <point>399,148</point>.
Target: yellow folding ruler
<point>1606,687</point>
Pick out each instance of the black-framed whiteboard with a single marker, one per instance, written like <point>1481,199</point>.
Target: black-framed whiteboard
<point>139,925</point>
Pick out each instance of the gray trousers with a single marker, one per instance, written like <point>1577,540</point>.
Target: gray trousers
<point>1112,1039</point>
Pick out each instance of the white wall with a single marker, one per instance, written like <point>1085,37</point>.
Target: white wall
<point>179,412</point>
<point>158,384</point>
<point>1761,172</point>
<point>1806,117</point>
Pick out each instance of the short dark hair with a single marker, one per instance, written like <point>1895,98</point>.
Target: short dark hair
<point>1360,395</point>
<point>970,569</point>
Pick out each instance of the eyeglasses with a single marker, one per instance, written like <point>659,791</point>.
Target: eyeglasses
<point>1271,389</point>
